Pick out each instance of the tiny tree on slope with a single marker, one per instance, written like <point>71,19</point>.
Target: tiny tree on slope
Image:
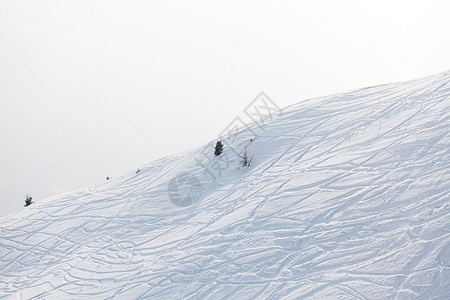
<point>245,158</point>
<point>28,200</point>
<point>219,148</point>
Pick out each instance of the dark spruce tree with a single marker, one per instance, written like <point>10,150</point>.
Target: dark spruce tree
<point>28,200</point>
<point>219,148</point>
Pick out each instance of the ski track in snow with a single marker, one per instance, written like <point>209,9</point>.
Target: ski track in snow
<point>347,197</point>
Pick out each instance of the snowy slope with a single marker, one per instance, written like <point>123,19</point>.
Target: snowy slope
<point>347,196</point>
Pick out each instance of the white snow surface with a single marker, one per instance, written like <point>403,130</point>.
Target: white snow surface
<point>347,196</point>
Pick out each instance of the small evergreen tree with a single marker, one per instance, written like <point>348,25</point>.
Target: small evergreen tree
<point>28,200</point>
<point>219,148</point>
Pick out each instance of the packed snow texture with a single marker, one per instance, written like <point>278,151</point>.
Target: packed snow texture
<point>347,196</point>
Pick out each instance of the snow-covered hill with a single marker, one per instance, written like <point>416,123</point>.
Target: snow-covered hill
<point>346,196</point>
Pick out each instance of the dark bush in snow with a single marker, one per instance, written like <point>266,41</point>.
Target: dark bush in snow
<point>28,200</point>
<point>219,148</point>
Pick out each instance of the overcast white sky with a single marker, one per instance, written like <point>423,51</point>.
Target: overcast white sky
<point>90,89</point>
